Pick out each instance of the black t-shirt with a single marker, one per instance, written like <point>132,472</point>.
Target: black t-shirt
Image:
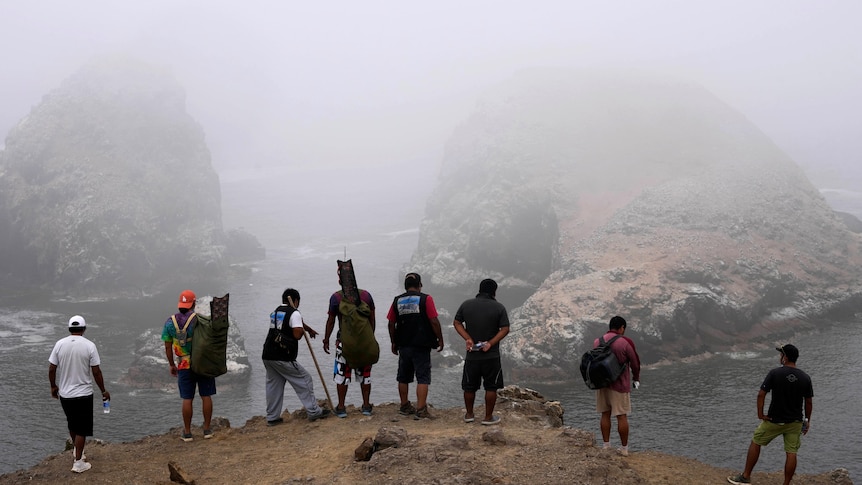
<point>483,317</point>
<point>789,386</point>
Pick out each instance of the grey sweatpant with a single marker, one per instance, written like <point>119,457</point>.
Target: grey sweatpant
<point>277,373</point>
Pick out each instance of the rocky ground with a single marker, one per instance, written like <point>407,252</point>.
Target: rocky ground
<point>526,448</point>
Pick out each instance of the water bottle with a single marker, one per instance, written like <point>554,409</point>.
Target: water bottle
<point>804,425</point>
<point>106,405</point>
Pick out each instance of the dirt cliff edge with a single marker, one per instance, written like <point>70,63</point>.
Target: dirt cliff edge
<point>528,446</point>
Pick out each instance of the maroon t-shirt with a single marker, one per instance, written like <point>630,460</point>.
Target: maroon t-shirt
<point>625,351</point>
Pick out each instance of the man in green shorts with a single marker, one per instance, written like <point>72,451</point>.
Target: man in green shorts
<point>791,388</point>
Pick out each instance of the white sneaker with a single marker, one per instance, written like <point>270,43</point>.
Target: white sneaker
<point>80,466</point>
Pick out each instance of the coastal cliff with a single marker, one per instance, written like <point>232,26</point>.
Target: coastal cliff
<point>597,194</point>
<point>107,188</point>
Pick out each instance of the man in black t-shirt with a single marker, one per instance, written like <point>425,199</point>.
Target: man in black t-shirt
<point>789,413</point>
<point>482,322</point>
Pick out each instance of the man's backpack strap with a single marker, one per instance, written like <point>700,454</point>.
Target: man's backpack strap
<point>610,342</point>
<point>288,311</point>
<point>186,326</point>
<point>602,340</point>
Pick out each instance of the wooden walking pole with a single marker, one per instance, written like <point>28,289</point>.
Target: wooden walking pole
<point>310,350</point>
<point>328,399</point>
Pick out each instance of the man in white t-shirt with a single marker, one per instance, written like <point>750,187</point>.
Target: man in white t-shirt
<point>280,350</point>
<point>74,364</point>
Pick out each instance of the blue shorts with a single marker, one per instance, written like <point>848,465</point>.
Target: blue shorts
<point>414,361</point>
<point>188,380</point>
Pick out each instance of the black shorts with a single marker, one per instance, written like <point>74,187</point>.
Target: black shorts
<point>79,414</point>
<point>488,372</point>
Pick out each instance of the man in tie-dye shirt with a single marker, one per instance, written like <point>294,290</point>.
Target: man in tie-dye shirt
<point>177,336</point>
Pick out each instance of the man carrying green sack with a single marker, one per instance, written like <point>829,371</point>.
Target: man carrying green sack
<point>177,335</point>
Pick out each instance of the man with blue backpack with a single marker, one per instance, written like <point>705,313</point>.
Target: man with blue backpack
<point>615,399</point>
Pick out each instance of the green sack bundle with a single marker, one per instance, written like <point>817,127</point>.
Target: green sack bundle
<point>209,345</point>
<point>358,344</point>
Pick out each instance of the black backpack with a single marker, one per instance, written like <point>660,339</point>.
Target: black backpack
<point>600,366</point>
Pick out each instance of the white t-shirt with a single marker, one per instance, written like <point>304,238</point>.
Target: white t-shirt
<point>295,319</point>
<point>74,356</point>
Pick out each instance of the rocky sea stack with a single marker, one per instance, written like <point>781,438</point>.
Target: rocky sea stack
<point>621,193</point>
<point>107,188</point>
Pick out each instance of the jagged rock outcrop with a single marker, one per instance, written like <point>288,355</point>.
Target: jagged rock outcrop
<point>149,370</point>
<point>617,193</point>
<point>107,187</point>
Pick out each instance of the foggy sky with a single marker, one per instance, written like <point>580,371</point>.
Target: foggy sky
<point>331,83</point>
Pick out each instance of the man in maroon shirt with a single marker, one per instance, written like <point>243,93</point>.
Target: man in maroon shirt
<point>616,399</point>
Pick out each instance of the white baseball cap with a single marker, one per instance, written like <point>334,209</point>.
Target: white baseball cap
<point>77,322</point>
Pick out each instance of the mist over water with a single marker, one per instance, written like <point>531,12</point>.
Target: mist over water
<point>704,410</point>
<point>312,114</point>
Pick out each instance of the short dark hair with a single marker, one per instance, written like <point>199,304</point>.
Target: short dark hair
<point>290,294</point>
<point>488,286</point>
<point>790,352</point>
<point>617,323</point>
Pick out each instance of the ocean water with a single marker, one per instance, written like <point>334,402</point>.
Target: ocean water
<point>703,409</point>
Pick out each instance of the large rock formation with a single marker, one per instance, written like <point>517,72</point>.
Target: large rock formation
<point>107,187</point>
<point>608,194</point>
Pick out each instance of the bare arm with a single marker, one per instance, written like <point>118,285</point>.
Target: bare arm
<point>392,337</point>
<point>330,325</point>
<point>100,381</point>
<point>298,331</point>
<point>809,407</point>
<point>761,399</point>
<point>311,332</point>
<point>459,327</point>
<point>435,326</point>
<point>52,378</point>
<point>501,334</point>
<point>169,354</point>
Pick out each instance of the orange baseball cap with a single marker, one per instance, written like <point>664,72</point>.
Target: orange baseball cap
<point>187,299</point>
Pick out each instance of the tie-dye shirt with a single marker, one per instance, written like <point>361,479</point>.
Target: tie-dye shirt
<point>169,334</point>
